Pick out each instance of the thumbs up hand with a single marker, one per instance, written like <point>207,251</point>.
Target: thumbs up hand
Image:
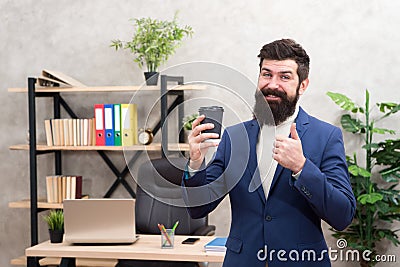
<point>288,151</point>
<point>293,132</point>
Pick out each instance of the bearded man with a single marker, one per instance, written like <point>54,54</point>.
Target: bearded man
<point>284,171</point>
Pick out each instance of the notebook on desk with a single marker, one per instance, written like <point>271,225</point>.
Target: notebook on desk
<point>99,221</point>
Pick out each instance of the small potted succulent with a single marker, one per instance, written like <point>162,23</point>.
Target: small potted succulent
<point>153,42</point>
<point>55,223</point>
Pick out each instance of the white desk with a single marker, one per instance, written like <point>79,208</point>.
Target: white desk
<point>148,247</point>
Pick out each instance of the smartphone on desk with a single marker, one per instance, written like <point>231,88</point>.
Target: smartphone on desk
<point>190,240</point>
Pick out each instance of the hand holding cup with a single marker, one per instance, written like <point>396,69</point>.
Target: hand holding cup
<point>198,148</point>
<point>205,129</point>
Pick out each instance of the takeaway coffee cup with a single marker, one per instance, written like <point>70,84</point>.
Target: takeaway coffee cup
<point>213,114</point>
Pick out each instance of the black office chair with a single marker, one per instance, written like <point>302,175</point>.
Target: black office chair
<point>159,200</point>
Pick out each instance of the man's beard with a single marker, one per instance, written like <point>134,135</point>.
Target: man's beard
<point>280,109</point>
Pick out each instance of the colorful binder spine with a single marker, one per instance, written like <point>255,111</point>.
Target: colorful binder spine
<point>129,124</point>
<point>117,125</point>
<point>109,124</point>
<point>99,124</point>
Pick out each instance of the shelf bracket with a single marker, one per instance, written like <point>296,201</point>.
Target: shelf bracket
<point>164,110</point>
<point>68,262</point>
<point>33,262</point>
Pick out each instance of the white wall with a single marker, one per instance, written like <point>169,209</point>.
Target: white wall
<point>352,45</point>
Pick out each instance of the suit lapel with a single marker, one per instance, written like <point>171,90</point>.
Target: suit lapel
<point>301,127</point>
<point>255,179</point>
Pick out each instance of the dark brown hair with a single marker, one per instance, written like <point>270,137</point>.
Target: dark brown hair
<point>287,49</point>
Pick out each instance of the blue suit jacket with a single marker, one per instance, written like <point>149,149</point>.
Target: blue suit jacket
<point>284,230</point>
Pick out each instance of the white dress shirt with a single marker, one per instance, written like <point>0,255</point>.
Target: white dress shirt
<point>266,164</point>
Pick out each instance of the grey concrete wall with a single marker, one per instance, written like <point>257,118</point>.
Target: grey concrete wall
<point>352,44</point>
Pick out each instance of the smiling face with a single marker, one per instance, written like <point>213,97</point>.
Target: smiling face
<point>278,87</point>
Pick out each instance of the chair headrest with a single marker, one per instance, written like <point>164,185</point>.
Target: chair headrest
<point>162,178</point>
<point>171,169</point>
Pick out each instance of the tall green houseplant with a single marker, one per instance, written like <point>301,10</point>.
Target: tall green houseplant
<point>154,41</point>
<point>373,180</point>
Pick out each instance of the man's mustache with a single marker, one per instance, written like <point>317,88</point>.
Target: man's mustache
<point>268,91</point>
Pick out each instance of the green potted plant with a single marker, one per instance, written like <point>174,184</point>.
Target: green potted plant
<point>55,223</point>
<point>153,42</point>
<point>374,180</point>
<point>187,122</point>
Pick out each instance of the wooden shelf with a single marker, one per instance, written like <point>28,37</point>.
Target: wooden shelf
<point>42,204</point>
<point>25,204</point>
<point>19,261</point>
<point>151,147</point>
<point>100,89</point>
<point>79,262</point>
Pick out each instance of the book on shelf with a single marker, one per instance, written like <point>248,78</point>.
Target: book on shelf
<point>69,132</point>
<point>61,187</point>
<point>74,130</point>
<point>49,82</point>
<point>79,132</point>
<point>66,132</point>
<point>216,245</point>
<point>49,189</point>
<point>78,187</point>
<point>64,187</point>
<point>92,132</point>
<point>73,187</point>
<point>62,132</point>
<point>49,135</point>
<point>55,130</point>
<point>52,78</point>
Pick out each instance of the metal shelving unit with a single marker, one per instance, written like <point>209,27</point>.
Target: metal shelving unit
<point>58,101</point>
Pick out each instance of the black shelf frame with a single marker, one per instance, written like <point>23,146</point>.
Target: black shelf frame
<point>58,102</point>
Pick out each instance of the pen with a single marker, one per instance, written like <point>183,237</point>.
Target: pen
<point>174,227</point>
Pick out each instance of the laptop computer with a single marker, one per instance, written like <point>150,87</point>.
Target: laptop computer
<point>97,221</point>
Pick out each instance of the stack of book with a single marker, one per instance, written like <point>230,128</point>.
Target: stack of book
<point>216,245</point>
<point>70,132</point>
<point>61,187</point>
<point>116,124</point>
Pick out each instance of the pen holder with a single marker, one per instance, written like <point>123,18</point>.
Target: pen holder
<point>167,238</point>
